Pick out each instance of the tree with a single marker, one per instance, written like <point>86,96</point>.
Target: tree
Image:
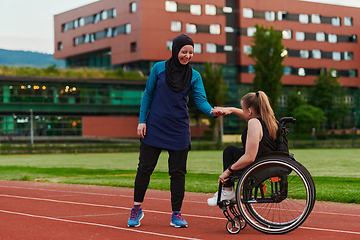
<point>268,52</point>
<point>294,101</point>
<point>216,91</point>
<point>327,94</point>
<point>307,117</point>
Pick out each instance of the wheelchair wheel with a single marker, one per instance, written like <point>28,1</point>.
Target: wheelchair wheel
<point>233,226</point>
<point>275,195</point>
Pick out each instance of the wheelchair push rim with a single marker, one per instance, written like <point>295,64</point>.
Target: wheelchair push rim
<point>273,213</point>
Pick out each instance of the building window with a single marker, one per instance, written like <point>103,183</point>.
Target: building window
<point>210,9</point>
<point>211,47</point>
<point>175,26</point>
<point>113,12</point>
<point>195,9</point>
<point>303,18</point>
<point>86,38</point>
<point>315,18</point>
<point>64,27</point>
<point>348,56</point>
<point>316,54</point>
<point>171,6</point>
<point>286,34</point>
<point>92,37</point>
<point>300,36</point>
<point>352,73</point>
<point>191,28</point>
<point>251,69</point>
<point>104,15</point>
<point>336,21</point>
<point>320,36</point>
<point>81,22</point>
<point>215,28</point>
<point>304,53</point>
<point>76,24</point>
<point>76,41</point>
<point>336,56</point>
<point>229,29</point>
<point>133,7</point>
<point>109,32</point>
<point>283,100</point>
<point>352,38</point>
<point>348,21</point>
<point>251,31</point>
<point>197,48</point>
<point>282,15</point>
<point>128,28</point>
<point>301,72</point>
<point>133,47</point>
<point>60,46</point>
<point>270,16</point>
<point>228,48</point>
<point>332,38</point>
<point>97,18</point>
<point>287,70</point>
<point>248,13</point>
<point>227,10</point>
<point>247,49</point>
<point>169,45</point>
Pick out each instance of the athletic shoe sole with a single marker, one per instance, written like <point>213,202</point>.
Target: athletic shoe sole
<point>177,226</point>
<point>139,221</point>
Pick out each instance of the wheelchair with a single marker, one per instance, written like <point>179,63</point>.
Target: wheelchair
<point>274,195</point>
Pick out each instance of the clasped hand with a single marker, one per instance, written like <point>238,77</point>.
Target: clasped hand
<point>220,111</point>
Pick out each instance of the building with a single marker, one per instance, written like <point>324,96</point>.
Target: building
<point>137,33</point>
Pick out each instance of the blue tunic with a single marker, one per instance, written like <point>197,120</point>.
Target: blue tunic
<point>165,111</point>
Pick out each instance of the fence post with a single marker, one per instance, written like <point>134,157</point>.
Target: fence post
<point>104,145</point>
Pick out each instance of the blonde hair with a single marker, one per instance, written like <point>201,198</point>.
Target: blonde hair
<point>260,103</point>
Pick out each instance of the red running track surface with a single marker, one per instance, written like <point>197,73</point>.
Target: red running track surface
<point>32,210</point>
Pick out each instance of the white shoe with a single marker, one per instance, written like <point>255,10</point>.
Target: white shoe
<point>225,195</point>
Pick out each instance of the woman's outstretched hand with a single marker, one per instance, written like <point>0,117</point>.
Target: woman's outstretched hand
<point>220,111</point>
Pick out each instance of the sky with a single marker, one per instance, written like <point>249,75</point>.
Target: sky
<point>29,24</point>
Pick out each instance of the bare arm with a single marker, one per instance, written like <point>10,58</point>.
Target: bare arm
<point>254,136</point>
<point>229,110</point>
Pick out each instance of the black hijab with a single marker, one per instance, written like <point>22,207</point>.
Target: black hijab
<point>178,76</point>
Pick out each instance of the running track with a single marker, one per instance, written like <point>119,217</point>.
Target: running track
<point>31,210</point>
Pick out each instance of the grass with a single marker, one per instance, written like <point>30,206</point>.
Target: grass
<point>336,172</point>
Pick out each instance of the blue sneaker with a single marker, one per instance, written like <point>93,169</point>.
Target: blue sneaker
<point>177,220</point>
<point>135,217</point>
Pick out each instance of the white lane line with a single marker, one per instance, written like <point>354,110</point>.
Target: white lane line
<point>158,199</point>
<point>54,190</point>
<point>98,225</point>
<point>99,194</point>
<point>92,215</point>
<point>152,211</point>
<point>100,205</point>
<point>330,230</point>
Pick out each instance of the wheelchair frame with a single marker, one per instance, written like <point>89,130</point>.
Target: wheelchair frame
<point>270,211</point>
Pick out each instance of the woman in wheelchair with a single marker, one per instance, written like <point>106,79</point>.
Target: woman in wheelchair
<point>258,138</point>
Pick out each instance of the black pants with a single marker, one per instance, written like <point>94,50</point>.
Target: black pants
<point>177,169</point>
<point>230,155</point>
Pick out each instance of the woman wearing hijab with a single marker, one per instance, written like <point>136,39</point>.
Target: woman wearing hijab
<point>164,125</point>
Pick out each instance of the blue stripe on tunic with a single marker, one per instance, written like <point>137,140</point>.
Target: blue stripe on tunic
<point>165,111</point>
